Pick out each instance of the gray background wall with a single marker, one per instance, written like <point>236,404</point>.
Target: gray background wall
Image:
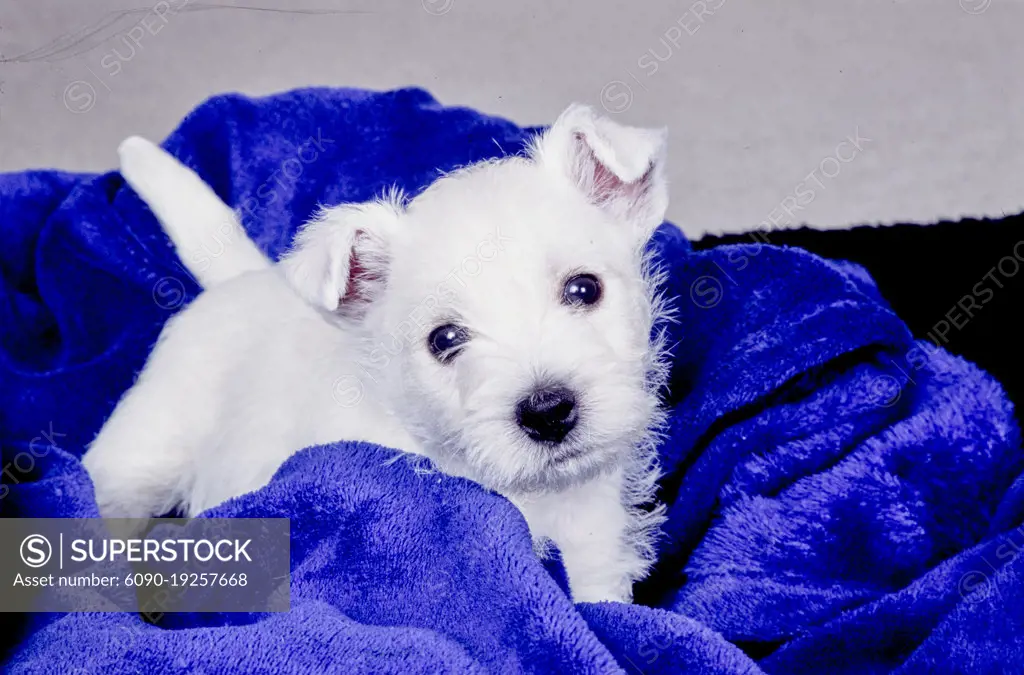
<point>758,94</point>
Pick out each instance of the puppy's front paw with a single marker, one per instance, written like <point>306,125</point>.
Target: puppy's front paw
<point>597,593</point>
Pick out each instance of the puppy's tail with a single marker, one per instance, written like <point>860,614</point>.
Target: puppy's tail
<point>206,233</point>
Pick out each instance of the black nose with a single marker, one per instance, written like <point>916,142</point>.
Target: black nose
<point>547,414</point>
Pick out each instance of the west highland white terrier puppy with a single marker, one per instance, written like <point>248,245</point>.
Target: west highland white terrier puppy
<point>499,323</point>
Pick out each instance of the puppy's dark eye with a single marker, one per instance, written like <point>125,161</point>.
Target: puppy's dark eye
<point>582,290</point>
<point>445,342</point>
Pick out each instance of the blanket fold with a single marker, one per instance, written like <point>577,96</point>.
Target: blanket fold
<point>841,498</point>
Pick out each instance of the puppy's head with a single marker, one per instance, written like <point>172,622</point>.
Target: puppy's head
<point>507,310</point>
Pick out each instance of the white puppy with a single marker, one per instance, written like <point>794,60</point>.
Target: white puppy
<point>500,324</point>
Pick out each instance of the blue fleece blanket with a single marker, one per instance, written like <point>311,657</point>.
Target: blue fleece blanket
<point>841,498</point>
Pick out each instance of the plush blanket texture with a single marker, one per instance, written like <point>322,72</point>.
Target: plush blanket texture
<point>958,283</point>
<point>841,499</point>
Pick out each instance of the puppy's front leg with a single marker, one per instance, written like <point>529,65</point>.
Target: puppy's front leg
<point>592,529</point>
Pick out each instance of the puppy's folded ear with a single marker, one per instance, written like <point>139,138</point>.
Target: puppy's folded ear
<point>618,168</point>
<point>339,261</point>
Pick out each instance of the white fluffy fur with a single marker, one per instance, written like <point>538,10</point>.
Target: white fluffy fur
<point>330,343</point>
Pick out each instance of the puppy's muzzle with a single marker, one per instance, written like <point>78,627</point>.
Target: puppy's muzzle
<point>548,414</point>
